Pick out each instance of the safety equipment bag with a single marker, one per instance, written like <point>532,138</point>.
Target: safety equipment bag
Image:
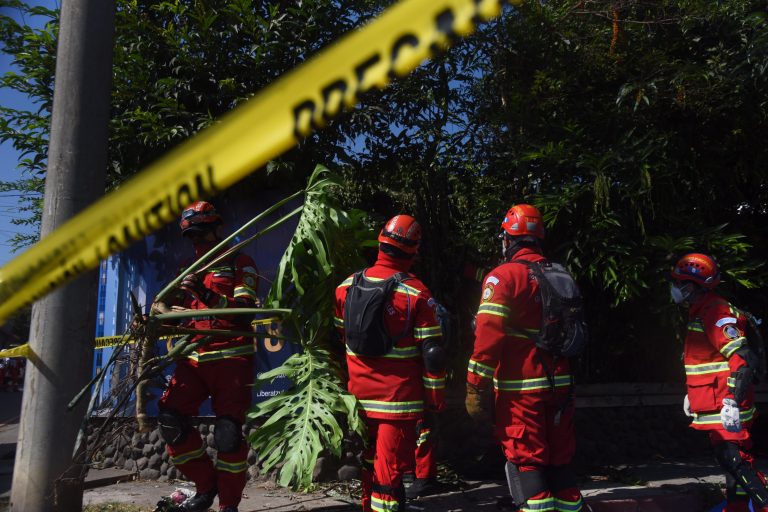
<point>756,336</point>
<point>364,309</point>
<point>563,329</point>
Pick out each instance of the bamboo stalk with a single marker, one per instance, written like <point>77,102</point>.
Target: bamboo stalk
<point>146,347</point>
<point>193,313</point>
<point>218,332</point>
<point>201,262</point>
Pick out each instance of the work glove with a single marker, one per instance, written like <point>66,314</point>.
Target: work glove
<point>478,404</point>
<point>195,287</point>
<point>729,415</point>
<point>687,407</point>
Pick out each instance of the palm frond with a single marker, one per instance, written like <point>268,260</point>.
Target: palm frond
<point>303,421</point>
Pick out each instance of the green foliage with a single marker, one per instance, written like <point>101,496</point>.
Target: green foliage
<point>636,126</point>
<point>33,52</point>
<point>302,421</point>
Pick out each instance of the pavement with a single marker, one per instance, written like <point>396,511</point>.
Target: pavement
<point>690,485</point>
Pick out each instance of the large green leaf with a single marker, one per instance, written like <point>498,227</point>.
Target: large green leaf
<point>303,421</point>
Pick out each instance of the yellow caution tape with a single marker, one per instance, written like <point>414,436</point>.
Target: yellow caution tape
<point>20,351</point>
<point>243,141</point>
<point>111,341</point>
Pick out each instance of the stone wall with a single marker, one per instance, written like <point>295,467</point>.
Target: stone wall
<point>615,424</point>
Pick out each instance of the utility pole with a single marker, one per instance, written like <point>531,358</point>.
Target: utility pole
<point>45,478</point>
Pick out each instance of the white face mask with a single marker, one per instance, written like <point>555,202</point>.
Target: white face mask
<point>678,295</point>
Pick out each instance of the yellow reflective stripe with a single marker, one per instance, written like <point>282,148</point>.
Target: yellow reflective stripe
<point>423,437</point>
<point>400,288</point>
<point>392,407</point>
<point>521,333</point>
<point>714,419</point>
<point>731,383</point>
<point>568,506</point>
<point>480,369</point>
<point>183,458</point>
<point>696,326</point>
<point>346,282</point>
<point>244,291</point>
<point>226,353</point>
<point>383,505</point>
<point>494,309</point>
<point>431,383</point>
<point>407,290</point>
<point>531,384</point>
<point>232,467</point>
<point>733,346</point>
<point>338,322</point>
<point>541,505</point>
<point>702,369</point>
<point>395,353</point>
<point>422,333</point>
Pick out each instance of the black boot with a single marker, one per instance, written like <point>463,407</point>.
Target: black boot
<point>424,487</point>
<point>200,502</point>
<point>229,509</point>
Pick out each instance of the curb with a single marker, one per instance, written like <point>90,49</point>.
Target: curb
<point>102,478</point>
<point>650,504</point>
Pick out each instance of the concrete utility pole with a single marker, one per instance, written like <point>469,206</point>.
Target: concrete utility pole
<point>44,476</point>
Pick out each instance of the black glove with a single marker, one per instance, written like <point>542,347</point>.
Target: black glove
<point>192,285</point>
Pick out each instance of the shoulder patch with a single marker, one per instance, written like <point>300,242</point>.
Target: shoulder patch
<point>732,332</point>
<point>492,280</point>
<point>487,292</point>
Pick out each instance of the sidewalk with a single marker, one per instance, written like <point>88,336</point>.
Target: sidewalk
<point>664,486</point>
<point>689,485</point>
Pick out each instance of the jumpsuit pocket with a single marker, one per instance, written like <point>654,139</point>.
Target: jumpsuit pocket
<point>702,395</point>
<point>514,431</point>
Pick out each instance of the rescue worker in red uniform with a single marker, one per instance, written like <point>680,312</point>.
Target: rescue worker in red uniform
<point>534,404</point>
<point>425,471</point>
<point>719,372</point>
<point>395,389</point>
<point>221,368</point>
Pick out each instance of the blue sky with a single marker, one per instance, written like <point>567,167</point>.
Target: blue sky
<point>9,157</point>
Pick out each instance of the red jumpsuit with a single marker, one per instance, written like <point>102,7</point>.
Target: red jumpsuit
<point>394,389</point>
<point>715,332</point>
<point>426,456</point>
<point>223,370</point>
<point>534,411</point>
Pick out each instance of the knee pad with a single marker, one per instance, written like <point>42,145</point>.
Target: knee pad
<point>173,426</point>
<point>227,434</point>
<point>434,357</point>
<point>523,485</point>
<point>728,456</point>
<point>560,477</point>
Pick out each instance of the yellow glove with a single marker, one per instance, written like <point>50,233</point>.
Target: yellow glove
<point>478,404</point>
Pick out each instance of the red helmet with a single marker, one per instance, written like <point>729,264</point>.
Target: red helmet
<point>199,216</point>
<point>403,232</point>
<point>523,219</point>
<point>699,268</point>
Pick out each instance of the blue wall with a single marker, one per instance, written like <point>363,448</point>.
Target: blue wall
<point>149,264</point>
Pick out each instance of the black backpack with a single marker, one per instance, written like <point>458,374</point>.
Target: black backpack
<point>563,329</point>
<point>756,340</point>
<point>364,314</point>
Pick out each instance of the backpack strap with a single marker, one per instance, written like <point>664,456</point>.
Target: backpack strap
<point>399,278</point>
